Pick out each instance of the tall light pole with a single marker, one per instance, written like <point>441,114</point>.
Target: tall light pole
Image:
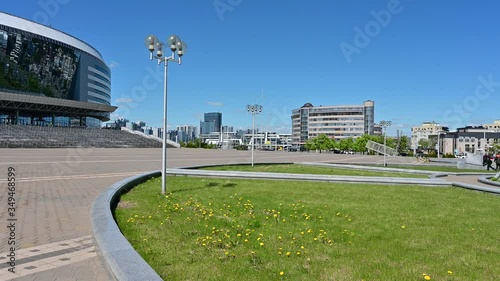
<point>254,109</point>
<point>178,48</point>
<point>384,125</point>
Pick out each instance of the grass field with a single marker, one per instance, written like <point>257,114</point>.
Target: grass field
<point>219,229</point>
<point>305,169</point>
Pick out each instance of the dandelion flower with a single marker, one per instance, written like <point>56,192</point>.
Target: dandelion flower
<point>403,227</point>
<point>427,277</point>
<point>450,272</point>
<point>261,244</point>
<point>282,273</point>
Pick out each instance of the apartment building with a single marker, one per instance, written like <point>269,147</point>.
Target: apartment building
<point>335,121</point>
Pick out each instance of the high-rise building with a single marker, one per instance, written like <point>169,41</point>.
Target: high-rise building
<point>335,121</point>
<point>212,123</point>
<point>186,133</point>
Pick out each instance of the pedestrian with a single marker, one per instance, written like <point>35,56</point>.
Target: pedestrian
<point>485,159</point>
<point>489,162</point>
<point>497,162</point>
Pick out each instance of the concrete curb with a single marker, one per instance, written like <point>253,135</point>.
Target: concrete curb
<point>486,180</point>
<point>477,187</point>
<point>370,168</point>
<point>122,262</point>
<point>307,177</point>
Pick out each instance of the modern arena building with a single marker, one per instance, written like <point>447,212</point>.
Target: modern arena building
<point>50,78</point>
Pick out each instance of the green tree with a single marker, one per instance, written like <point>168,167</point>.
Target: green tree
<point>310,145</point>
<point>425,144</point>
<point>404,144</point>
<point>323,142</point>
<point>346,144</point>
<point>360,143</point>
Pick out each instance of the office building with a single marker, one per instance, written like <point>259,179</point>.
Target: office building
<point>335,121</point>
<point>212,123</point>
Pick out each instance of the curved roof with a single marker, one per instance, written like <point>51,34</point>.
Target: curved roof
<point>42,30</point>
<point>307,105</point>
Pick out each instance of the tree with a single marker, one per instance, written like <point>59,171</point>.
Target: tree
<point>360,143</point>
<point>403,144</point>
<point>424,144</point>
<point>346,144</point>
<point>323,142</point>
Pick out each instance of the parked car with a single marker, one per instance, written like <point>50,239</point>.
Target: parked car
<point>420,153</point>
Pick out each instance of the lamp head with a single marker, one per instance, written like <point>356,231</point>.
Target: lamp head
<point>172,42</point>
<point>159,49</point>
<point>150,42</point>
<point>181,47</point>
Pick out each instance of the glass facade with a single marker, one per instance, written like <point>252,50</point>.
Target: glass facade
<point>38,65</point>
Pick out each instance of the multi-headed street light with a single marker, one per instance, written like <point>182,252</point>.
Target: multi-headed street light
<point>254,109</point>
<point>384,125</point>
<point>178,48</point>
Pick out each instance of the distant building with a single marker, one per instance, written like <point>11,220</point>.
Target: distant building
<point>425,131</point>
<point>470,139</point>
<point>186,133</point>
<point>335,121</point>
<point>212,123</point>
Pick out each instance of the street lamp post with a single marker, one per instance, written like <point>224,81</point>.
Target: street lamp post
<point>254,109</point>
<point>178,48</point>
<point>384,125</point>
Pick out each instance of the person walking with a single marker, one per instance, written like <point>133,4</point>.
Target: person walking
<point>497,161</point>
<point>489,162</point>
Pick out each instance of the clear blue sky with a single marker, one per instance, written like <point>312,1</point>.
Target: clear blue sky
<point>422,61</point>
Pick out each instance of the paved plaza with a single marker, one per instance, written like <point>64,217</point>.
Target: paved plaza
<point>55,189</point>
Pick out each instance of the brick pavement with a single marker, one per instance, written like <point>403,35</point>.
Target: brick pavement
<point>55,189</point>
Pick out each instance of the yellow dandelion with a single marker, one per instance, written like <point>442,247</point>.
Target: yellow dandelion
<point>427,277</point>
<point>403,227</point>
<point>282,273</point>
<point>298,253</point>
<point>288,254</point>
<point>261,244</point>
<point>450,272</point>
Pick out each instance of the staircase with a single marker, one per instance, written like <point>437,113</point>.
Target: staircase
<point>382,149</point>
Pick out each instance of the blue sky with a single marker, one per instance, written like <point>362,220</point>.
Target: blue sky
<point>419,60</point>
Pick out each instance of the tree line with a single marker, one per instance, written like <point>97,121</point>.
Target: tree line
<point>324,143</point>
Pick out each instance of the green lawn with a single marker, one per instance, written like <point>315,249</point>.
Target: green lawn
<point>305,169</point>
<point>219,229</point>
